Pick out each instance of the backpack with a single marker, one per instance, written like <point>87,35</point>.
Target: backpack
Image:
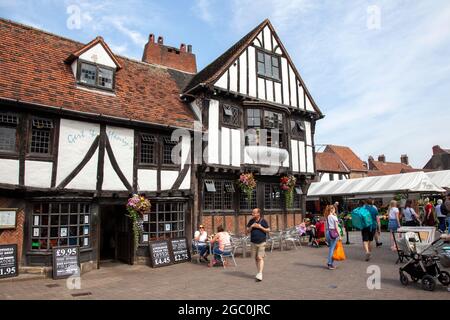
<point>361,218</point>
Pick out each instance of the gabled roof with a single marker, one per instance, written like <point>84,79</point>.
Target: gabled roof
<point>330,162</point>
<point>348,157</point>
<point>390,167</point>
<point>34,71</point>
<point>97,40</point>
<point>212,72</point>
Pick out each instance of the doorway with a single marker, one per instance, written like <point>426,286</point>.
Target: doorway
<point>115,235</point>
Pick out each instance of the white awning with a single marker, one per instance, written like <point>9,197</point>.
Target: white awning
<point>440,178</point>
<point>415,182</point>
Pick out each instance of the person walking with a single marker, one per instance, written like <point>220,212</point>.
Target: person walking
<point>441,217</point>
<point>429,218</point>
<point>331,233</point>
<point>258,229</point>
<point>377,223</point>
<point>394,221</point>
<point>411,217</point>
<point>445,210</point>
<point>368,233</point>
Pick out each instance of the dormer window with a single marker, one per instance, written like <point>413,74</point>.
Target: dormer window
<point>94,75</point>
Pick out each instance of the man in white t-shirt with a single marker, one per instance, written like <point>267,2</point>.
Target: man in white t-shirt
<point>200,237</point>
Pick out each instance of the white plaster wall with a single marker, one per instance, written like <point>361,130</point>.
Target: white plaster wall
<point>325,177</point>
<point>38,174</point>
<point>222,82</point>
<point>75,139</point>
<point>308,133</point>
<point>213,132</point>
<point>87,178</point>
<point>233,77</point>
<point>168,179</point>
<point>275,44</point>
<point>147,180</point>
<point>185,149</point>
<point>285,80</point>
<point>186,184</point>
<point>122,144</point>
<point>293,84</point>
<point>243,73</point>
<point>267,38</point>
<point>336,176</point>
<point>251,72</point>
<point>278,97</point>
<point>301,96</point>
<point>225,146</point>
<point>301,148</point>
<point>294,152</point>
<point>261,88</point>
<point>9,171</point>
<point>111,180</point>
<point>236,147</point>
<point>309,106</point>
<point>269,85</point>
<point>310,157</point>
<point>98,52</point>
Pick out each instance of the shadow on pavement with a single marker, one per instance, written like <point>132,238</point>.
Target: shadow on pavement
<point>240,274</point>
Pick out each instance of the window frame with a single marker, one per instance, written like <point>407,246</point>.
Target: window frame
<point>51,144</point>
<point>48,238</point>
<point>223,122</point>
<point>272,56</point>
<point>155,151</point>
<point>97,67</point>
<point>283,141</point>
<point>274,188</point>
<point>162,143</point>
<point>15,125</point>
<point>222,187</point>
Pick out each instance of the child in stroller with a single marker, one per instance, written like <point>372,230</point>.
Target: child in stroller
<point>424,262</point>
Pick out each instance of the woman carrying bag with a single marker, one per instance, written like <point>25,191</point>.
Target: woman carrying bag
<point>331,234</point>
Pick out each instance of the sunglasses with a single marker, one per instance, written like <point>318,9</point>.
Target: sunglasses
<point>201,227</point>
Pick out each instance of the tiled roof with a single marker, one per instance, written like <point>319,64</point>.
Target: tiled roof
<point>33,70</point>
<point>329,162</point>
<point>390,167</point>
<point>350,159</point>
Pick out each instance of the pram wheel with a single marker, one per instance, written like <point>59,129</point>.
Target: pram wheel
<point>428,283</point>
<point>444,278</point>
<point>403,278</point>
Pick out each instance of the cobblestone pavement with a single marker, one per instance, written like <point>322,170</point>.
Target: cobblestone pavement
<point>289,274</point>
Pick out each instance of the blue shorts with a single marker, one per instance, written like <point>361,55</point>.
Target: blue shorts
<point>393,225</point>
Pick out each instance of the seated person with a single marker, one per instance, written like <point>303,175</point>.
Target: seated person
<point>311,231</point>
<point>220,240</point>
<point>200,237</point>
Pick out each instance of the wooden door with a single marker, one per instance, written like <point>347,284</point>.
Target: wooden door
<point>124,239</point>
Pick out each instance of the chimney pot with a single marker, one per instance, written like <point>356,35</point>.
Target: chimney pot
<point>183,47</point>
<point>437,150</point>
<point>382,158</point>
<point>404,159</point>
<point>189,48</point>
<point>160,40</point>
<point>151,38</point>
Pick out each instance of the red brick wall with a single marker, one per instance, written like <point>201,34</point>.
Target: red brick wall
<point>218,221</point>
<point>242,224</point>
<point>207,222</point>
<point>298,218</point>
<point>280,218</point>
<point>230,224</point>
<point>273,222</point>
<point>290,220</point>
<point>159,54</point>
<point>11,236</point>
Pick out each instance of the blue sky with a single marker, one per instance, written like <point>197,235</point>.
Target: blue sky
<point>379,70</point>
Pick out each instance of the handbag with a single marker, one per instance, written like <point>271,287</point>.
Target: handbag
<point>339,253</point>
<point>332,232</point>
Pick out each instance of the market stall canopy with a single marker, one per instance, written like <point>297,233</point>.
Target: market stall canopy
<point>415,182</point>
<point>440,178</point>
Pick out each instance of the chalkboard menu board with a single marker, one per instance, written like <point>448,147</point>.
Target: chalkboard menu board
<point>160,253</point>
<point>66,262</point>
<point>180,250</point>
<point>8,261</point>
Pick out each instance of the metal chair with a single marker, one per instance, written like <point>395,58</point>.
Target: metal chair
<point>275,238</point>
<point>228,251</point>
<point>195,250</point>
<point>290,237</point>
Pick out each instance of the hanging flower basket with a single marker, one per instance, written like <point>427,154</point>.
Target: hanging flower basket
<point>247,183</point>
<point>287,185</point>
<point>136,206</point>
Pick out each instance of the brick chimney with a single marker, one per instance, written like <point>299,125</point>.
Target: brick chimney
<point>157,53</point>
<point>382,158</point>
<point>404,159</point>
<point>370,163</point>
<point>437,150</point>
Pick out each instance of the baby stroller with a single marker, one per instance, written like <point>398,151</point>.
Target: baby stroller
<point>424,262</point>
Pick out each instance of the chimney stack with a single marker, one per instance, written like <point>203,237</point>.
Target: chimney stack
<point>181,59</point>
<point>404,159</point>
<point>382,158</point>
<point>437,150</point>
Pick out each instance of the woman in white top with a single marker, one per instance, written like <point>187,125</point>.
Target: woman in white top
<point>200,237</point>
<point>331,233</point>
<point>394,220</point>
<point>411,217</point>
